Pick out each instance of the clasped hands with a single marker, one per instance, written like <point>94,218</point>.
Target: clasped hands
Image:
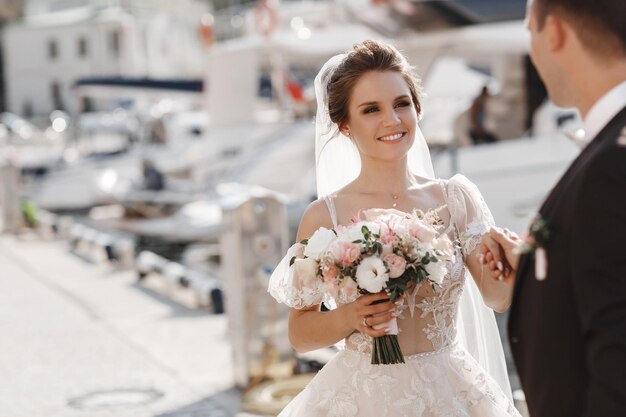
<point>497,253</point>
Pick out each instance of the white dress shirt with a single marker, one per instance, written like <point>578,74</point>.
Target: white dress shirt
<point>604,110</point>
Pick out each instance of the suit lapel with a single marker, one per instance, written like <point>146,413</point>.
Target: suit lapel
<point>525,261</point>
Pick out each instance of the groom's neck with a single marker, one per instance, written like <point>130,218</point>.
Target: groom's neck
<point>596,88</point>
<point>594,78</point>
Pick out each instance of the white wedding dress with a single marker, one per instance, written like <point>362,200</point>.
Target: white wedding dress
<point>440,377</point>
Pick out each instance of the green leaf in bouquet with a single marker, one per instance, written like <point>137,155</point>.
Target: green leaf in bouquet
<point>421,273</point>
<point>378,247</point>
<point>304,241</point>
<point>366,232</point>
<point>292,261</point>
<point>397,289</point>
<point>410,274</point>
<point>357,241</point>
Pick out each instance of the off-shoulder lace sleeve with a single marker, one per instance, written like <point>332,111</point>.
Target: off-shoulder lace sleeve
<point>469,212</point>
<point>287,288</point>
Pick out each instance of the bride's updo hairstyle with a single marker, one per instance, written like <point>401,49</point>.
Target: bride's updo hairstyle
<point>365,57</point>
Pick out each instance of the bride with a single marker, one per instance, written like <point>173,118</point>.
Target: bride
<point>370,154</point>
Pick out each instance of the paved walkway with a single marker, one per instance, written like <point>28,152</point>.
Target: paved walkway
<point>84,340</point>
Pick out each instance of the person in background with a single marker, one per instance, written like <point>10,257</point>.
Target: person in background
<point>478,132</point>
<point>153,179</point>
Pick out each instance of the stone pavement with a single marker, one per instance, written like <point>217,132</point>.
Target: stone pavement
<point>85,340</point>
<point>78,339</point>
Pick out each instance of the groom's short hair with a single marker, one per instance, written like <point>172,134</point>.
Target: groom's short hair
<point>599,24</point>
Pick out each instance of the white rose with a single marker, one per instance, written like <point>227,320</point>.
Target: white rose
<point>436,272</point>
<point>352,233</point>
<point>297,250</point>
<point>402,230</point>
<point>371,274</point>
<point>304,273</point>
<point>421,230</point>
<point>319,242</point>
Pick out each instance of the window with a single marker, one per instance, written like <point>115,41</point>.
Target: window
<point>115,42</point>
<point>53,49</point>
<point>82,47</point>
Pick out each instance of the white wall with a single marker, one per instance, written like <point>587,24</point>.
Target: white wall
<point>155,44</point>
<point>30,71</point>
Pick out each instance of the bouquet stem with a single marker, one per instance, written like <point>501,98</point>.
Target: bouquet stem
<point>386,349</point>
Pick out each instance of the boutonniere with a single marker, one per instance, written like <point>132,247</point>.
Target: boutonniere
<point>535,243</point>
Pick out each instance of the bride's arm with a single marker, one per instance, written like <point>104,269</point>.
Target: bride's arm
<point>497,295</point>
<point>473,219</point>
<point>310,328</point>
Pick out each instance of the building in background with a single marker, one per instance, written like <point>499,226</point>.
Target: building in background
<point>59,42</point>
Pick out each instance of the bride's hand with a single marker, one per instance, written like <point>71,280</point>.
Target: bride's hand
<point>497,253</point>
<point>363,315</point>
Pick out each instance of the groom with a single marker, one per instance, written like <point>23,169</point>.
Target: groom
<point>567,324</point>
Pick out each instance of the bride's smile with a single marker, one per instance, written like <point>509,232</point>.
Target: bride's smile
<point>393,138</point>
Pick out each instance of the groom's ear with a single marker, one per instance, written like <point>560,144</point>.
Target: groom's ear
<point>556,32</point>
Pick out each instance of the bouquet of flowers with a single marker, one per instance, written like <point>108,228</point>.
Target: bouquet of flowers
<point>380,250</point>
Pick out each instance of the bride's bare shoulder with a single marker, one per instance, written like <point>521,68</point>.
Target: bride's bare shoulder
<point>315,216</point>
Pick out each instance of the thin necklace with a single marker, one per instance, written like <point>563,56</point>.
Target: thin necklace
<point>395,202</point>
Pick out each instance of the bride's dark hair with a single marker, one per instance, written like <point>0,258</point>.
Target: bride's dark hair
<point>365,57</point>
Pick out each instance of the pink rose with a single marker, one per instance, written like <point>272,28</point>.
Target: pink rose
<point>396,265</point>
<point>388,238</point>
<point>344,252</point>
<point>387,235</point>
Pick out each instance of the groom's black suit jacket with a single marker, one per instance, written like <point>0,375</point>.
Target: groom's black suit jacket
<point>568,332</point>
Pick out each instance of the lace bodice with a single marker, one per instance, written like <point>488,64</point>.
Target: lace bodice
<point>428,318</point>
<point>434,314</point>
